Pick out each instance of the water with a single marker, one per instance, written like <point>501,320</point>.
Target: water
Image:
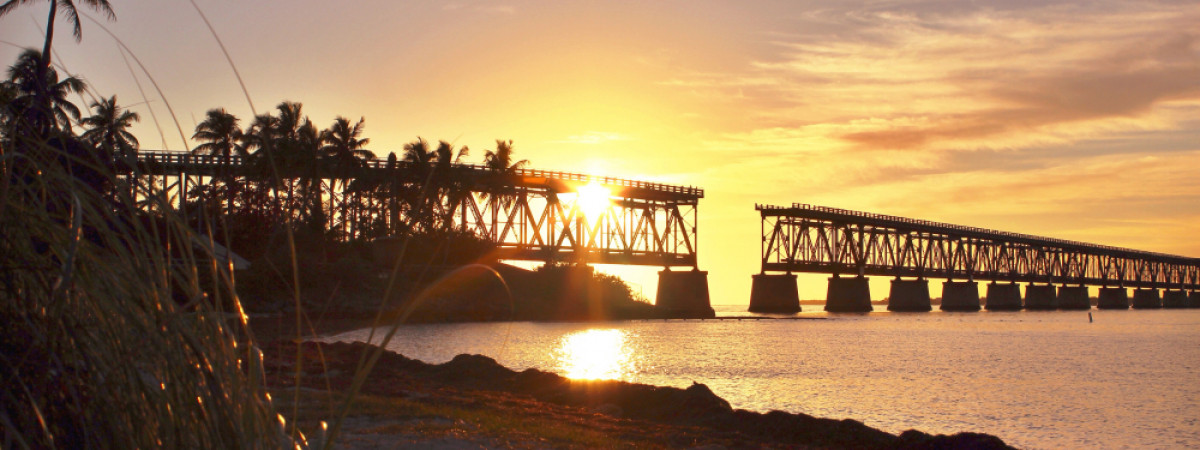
<point>1050,379</point>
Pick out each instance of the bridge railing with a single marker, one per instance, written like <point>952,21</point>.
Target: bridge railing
<point>169,157</point>
<point>940,227</point>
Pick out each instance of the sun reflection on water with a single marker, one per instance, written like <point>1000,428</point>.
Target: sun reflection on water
<point>596,355</point>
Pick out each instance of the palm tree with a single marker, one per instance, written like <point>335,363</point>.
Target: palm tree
<point>343,148</point>
<point>108,129</point>
<point>446,157</point>
<point>68,10</point>
<point>219,135</point>
<point>419,199</point>
<point>449,189</point>
<point>418,152</point>
<point>501,161</point>
<point>40,103</point>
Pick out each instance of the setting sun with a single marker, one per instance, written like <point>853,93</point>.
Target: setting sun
<point>593,200</point>
<point>595,355</point>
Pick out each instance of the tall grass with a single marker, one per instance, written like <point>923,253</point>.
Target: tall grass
<point>117,332</point>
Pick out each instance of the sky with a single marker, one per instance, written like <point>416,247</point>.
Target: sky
<point>1070,119</point>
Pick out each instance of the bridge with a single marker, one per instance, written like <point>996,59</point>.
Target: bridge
<point>1057,273</point>
<point>528,214</point>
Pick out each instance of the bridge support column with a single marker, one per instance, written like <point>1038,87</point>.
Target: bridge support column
<point>683,294</point>
<point>960,296</point>
<point>1174,299</point>
<point>1074,297</point>
<point>1146,299</point>
<point>1194,299</point>
<point>909,295</point>
<point>1113,298</point>
<point>848,295</point>
<point>774,294</point>
<point>1039,297</point>
<point>1003,297</point>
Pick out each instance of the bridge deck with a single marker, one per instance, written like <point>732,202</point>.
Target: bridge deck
<point>809,238</point>
<point>177,162</point>
<point>918,225</point>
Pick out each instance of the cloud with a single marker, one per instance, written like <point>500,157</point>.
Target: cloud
<point>932,79</point>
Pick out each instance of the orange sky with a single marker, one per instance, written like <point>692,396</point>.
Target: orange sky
<point>1077,120</point>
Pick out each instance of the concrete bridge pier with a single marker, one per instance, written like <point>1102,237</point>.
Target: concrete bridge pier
<point>909,295</point>
<point>1003,297</point>
<point>1175,299</point>
<point>684,294</point>
<point>1113,298</point>
<point>1074,297</point>
<point>960,296</point>
<point>1040,297</point>
<point>1146,299</point>
<point>1194,299</point>
<point>1006,297</point>
<point>848,295</point>
<point>774,294</point>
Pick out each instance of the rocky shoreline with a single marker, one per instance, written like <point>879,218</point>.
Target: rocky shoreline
<point>629,413</point>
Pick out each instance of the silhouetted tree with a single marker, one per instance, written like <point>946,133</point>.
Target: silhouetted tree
<point>345,155</point>
<point>68,10</point>
<point>219,135</point>
<point>39,101</point>
<point>108,128</point>
<point>501,161</point>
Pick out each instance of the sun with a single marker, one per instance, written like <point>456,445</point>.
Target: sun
<point>593,199</point>
<point>595,355</point>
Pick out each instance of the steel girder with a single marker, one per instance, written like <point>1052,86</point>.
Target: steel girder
<point>805,238</point>
<point>530,214</point>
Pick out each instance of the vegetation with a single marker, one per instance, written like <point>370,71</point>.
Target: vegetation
<point>111,339</point>
<point>124,326</point>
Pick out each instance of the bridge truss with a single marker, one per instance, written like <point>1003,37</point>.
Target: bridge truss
<point>807,238</point>
<point>528,214</point>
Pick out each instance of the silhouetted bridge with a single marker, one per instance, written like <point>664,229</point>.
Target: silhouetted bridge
<point>529,214</point>
<point>816,239</point>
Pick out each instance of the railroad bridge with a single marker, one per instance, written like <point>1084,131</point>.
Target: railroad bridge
<point>529,214</point>
<point>1057,273</point>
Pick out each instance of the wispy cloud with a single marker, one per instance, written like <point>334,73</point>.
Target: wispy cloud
<point>979,79</point>
<point>1064,119</point>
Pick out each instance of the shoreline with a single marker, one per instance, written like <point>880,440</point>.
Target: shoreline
<point>487,404</point>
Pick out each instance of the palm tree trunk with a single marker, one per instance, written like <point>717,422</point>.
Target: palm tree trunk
<point>49,33</point>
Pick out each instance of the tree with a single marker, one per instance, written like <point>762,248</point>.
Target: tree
<point>501,159</point>
<point>69,10</point>
<point>108,129</point>
<point>418,152</point>
<point>219,135</point>
<point>343,149</point>
<point>446,156</point>
<point>449,189</point>
<point>39,99</point>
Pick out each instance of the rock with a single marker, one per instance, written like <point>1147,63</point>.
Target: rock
<point>609,409</point>
<point>913,439</point>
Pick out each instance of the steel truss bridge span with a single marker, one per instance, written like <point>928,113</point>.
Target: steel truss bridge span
<point>808,238</point>
<point>529,214</point>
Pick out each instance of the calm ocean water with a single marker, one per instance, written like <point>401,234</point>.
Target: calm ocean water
<point>1130,379</point>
